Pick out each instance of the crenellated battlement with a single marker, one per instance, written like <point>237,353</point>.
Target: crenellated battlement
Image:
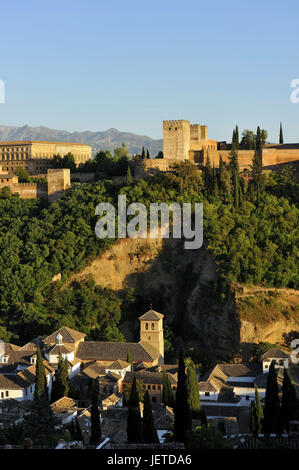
<point>175,122</point>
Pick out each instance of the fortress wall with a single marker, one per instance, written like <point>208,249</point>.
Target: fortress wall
<point>245,157</point>
<point>276,156</point>
<point>153,166</point>
<point>30,190</point>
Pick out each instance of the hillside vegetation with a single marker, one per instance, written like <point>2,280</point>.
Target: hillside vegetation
<point>254,243</point>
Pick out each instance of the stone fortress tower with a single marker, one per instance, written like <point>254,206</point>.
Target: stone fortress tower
<point>151,331</point>
<point>184,141</point>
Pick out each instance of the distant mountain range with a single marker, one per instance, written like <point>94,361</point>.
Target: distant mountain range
<point>102,140</point>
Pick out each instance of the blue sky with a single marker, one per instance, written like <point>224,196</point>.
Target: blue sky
<point>94,64</point>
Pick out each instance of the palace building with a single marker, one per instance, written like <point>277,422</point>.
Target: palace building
<point>36,156</point>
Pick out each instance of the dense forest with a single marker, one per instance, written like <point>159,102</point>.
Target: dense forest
<point>251,228</point>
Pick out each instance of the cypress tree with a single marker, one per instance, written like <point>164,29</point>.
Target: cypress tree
<point>147,154</point>
<point>41,389</point>
<point>129,359</point>
<point>259,412</point>
<point>256,415</point>
<point>208,176</point>
<point>257,177</point>
<point>272,417</point>
<point>96,432</point>
<point>72,430</point>
<point>168,398</point>
<point>143,153</point>
<point>215,182</point>
<point>78,432</point>
<point>192,390</point>
<point>289,401</point>
<point>235,177</point>
<point>129,179</point>
<point>258,140</point>
<point>281,134</point>
<point>134,422</point>
<point>221,186</point>
<point>60,386</point>
<point>149,431</point>
<point>182,418</point>
<point>252,419</point>
<point>237,137</point>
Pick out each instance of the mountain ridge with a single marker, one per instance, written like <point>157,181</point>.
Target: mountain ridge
<point>98,140</point>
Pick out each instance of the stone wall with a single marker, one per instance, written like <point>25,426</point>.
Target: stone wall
<point>30,190</point>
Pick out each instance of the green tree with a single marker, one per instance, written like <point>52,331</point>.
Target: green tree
<point>149,431</point>
<point>235,175</point>
<point>182,418</point>
<point>205,437</point>
<point>121,152</point>
<point>168,398</point>
<point>281,134</point>
<point>208,176</point>
<point>248,139</point>
<point>192,390</point>
<point>289,401</point>
<point>40,424</point>
<point>272,415</point>
<point>134,422</point>
<point>22,174</point>
<point>96,432</point>
<point>60,387</point>
<point>41,389</point>
<point>129,179</point>
<point>256,414</point>
<point>257,177</point>
<point>129,359</point>
<point>78,432</point>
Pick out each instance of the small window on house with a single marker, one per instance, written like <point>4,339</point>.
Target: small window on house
<point>266,366</point>
<point>159,387</point>
<point>149,338</point>
<point>281,362</point>
<point>153,326</point>
<point>174,387</point>
<point>207,394</point>
<point>7,394</point>
<point>154,387</point>
<point>247,397</point>
<point>146,326</point>
<point>148,387</point>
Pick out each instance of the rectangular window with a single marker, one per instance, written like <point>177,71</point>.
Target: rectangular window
<point>207,394</point>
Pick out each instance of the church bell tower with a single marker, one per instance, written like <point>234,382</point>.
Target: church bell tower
<point>151,331</point>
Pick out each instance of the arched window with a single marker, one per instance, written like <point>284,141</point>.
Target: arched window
<point>153,326</point>
<point>146,326</point>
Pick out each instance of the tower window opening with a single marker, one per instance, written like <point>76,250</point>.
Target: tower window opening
<point>153,326</point>
<point>146,326</point>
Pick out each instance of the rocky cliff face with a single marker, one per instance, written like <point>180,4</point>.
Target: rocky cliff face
<point>184,285</point>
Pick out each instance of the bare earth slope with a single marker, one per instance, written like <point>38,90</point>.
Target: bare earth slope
<point>183,285</point>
